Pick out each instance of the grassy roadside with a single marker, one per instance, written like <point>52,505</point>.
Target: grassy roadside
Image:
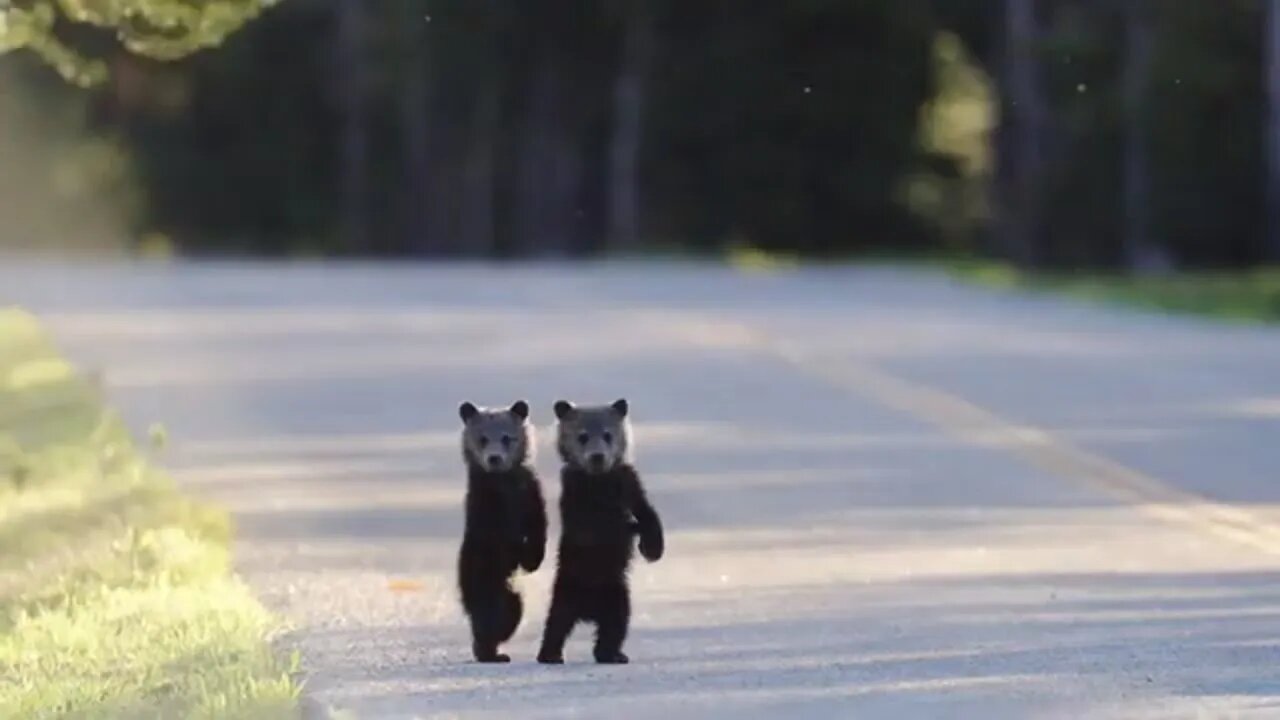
<point>1251,296</point>
<point>1244,296</point>
<point>116,592</point>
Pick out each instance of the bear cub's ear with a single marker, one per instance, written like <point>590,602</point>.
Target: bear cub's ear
<point>466,411</point>
<point>520,409</point>
<point>620,406</point>
<point>564,409</point>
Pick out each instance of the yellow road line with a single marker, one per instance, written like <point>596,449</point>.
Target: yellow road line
<point>977,425</point>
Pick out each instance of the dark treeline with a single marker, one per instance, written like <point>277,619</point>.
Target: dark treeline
<point>1056,133</point>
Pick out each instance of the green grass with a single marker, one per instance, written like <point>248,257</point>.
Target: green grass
<point>117,597</point>
<point>1241,296</point>
<point>1251,296</point>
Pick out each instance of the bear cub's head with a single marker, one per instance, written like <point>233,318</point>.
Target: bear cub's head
<point>594,438</point>
<point>496,439</point>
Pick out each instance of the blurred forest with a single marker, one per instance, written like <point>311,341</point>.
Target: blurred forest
<point>1054,133</point>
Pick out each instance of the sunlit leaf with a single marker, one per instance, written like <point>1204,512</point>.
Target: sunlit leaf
<point>158,29</point>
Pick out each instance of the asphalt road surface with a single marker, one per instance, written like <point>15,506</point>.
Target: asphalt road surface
<point>886,495</point>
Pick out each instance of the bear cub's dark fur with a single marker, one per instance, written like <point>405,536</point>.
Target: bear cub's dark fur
<point>603,507</point>
<point>506,523</point>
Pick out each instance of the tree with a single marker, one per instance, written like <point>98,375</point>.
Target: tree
<point>160,29</point>
<point>415,127</point>
<point>1272,74</point>
<point>479,60</point>
<point>354,144</point>
<point>561,95</point>
<point>1026,143</point>
<point>628,125</point>
<point>1140,254</point>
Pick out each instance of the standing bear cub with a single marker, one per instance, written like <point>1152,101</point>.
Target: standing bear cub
<point>506,522</point>
<point>602,508</point>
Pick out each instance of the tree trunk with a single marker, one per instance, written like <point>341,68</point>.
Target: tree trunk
<point>546,200</point>
<point>354,169</point>
<point>1022,77</point>
<point>477,224</point>
<point>529,200</point>
<point>566,215</point>
<point>1272,248</point>
<point>1140,254</point>
<point>415,128</point>
<point>628,129</point>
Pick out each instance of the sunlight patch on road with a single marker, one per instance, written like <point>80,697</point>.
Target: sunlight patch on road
<point>1263,407</point>
<point>296,448</point>
<point>963,419</point>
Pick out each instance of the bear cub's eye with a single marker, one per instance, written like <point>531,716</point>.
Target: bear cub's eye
<point>583,438</point>
<point>506,441</point>
<point>608,438</point>
<point>484,442</point>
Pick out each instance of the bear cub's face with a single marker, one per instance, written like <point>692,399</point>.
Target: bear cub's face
<point>496,440</point>
<point>594,438</point>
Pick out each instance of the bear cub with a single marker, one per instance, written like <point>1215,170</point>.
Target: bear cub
<point>603,508</point>
<point>506,522</point>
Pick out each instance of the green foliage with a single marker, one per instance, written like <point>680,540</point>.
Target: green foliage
<point>160,29</point>
<point>61,189</point>
<point>822,127</point>
<point>1207,116</point>
<point>1203,133</point>
<point>32,27</point>
<point>955,131</point>
<point>1243,296</point>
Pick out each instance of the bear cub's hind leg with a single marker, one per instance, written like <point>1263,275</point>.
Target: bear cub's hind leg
<point>489,622</point>
<point>561,618</point>
<point>613,615</point>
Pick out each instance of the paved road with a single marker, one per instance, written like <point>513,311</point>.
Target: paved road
<point>887,495</point>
